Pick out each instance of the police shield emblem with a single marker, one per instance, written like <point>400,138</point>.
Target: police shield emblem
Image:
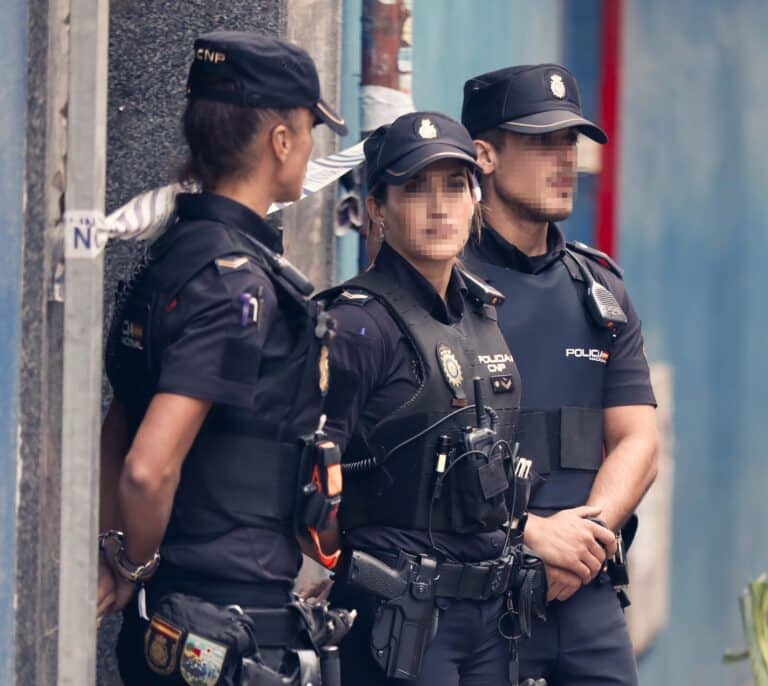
<point>557,86</point>
<point>202,661</point>
<point>427,128</point>
<point>452,373</point>
<point>161,646</point>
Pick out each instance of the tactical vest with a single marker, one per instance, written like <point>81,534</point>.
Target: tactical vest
<point>562,356</point>
<point>242,470</point>
<point>399,490</point>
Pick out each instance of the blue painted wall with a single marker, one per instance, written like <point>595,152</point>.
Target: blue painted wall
<point>13,64</point>
<point>694,240</point>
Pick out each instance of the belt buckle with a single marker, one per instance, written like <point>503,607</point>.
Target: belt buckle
<point>499,573</point>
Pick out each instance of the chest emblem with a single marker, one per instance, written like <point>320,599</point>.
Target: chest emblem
<point>452,373</point>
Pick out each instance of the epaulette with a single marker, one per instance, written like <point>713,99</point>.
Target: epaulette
<point>597,256</point>
<point>232,263</point>
<point>354,295</point>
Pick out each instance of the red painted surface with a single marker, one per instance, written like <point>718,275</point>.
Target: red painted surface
<point>610,83</point>
<point>382,32</point>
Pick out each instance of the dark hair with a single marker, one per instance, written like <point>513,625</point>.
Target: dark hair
<point>218,136</point>
<point>496,137</point>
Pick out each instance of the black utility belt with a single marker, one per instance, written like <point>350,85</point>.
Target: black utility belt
<point>407,587</point>
<point>464,580</point>
<point>191,641</point>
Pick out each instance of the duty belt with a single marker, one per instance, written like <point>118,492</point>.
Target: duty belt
<point>276,627</point>
<point>466,580</point>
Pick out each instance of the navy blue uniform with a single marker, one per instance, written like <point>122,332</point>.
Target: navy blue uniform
<point>214,351</point>
<point>377,366</point>
<point>571,370</point>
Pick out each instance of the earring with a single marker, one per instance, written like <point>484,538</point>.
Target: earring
<point>381,230</point>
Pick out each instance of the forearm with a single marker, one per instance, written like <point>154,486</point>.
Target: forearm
<point>628,471</point>
<point>115,442</point>
<point>153,468</point>
<point>146,510</point>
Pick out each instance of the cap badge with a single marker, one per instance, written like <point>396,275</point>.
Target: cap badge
<point>427,129</point>
<point>557,86</point>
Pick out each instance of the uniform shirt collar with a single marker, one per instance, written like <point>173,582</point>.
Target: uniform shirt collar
<point>448,311</point>
<point>197,206</point>
<point>501,252</point>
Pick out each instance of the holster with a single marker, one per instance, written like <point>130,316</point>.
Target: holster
<point>405,621</point>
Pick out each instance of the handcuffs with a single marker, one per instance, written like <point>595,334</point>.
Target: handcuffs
<point>112,546</point>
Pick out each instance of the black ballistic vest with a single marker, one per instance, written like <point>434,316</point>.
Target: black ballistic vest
<point>242,469</point>
<point>398,492</point>
<point>562,356</point>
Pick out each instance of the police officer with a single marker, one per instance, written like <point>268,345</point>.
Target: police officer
<point>219,364</point>
<point>427,452</point>
<point>577,341</point>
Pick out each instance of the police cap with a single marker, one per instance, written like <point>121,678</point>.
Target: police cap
<point>255,70</point>
<point>395,152</point>
<point>530,99</point>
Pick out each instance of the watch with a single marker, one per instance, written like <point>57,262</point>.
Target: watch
<point>118,561</point>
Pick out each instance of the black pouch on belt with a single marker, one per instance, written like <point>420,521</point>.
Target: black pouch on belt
<point>190,641</point>
<point>477,484</point>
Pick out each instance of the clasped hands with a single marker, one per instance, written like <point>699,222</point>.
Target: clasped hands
<point>573,547</point>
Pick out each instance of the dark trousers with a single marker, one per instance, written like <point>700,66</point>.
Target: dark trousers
<point>584,642</point>
<point>466,651</point>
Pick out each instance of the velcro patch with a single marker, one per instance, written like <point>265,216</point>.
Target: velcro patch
<point>502,383</point>
<point>161,646</point>
<point>202,661</point>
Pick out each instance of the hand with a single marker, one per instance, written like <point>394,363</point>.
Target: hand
<point>124,591</point>
<point>318,590</point>
<point>561,584</point>
<point>105,596</point>
<point>568,540</point>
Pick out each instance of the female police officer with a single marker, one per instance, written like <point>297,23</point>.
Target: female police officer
<point>426,452</point>
<point>218,366</point>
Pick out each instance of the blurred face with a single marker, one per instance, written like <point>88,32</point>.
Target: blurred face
<point>429,217</point>
<point>536,175</point>
<point>293,144</point>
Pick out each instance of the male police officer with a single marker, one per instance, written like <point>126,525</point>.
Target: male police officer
<point>579,348</point>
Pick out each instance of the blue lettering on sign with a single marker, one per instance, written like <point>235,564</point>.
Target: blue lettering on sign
<point>83,236</point>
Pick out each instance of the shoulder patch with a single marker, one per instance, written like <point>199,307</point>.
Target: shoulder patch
<point>234,263</point>
<point>598,256</point>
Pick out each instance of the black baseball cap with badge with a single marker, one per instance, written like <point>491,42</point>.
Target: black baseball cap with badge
<point>530,99</point>
<point>252,69</point>
<point>396,152</point>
